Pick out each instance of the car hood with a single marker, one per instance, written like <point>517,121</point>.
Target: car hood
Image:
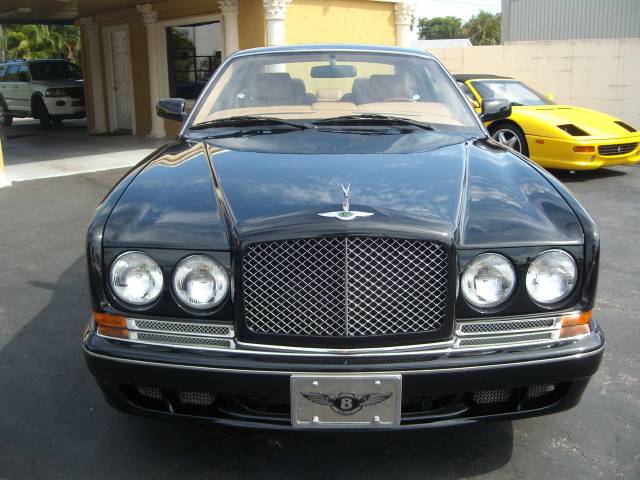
<point>597,124</point>
<point>59,83</point>
<point>217,194</point>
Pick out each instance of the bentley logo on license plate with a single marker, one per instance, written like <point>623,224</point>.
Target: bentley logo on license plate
<point>345,401</point>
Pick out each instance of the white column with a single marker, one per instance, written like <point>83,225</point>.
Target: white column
<point>149,18</point>
<point>92,32</point>
<point>405,12</point>
<point>275,14</point>
<point>229,9</point>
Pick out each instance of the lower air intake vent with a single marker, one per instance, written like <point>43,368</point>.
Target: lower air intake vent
<point>189,397</point>
<point>487,397</point>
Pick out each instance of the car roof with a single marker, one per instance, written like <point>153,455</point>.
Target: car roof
<point>334,47</point>
<point>463,77</point>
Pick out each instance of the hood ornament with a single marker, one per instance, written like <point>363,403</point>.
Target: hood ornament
<point>345,214</point>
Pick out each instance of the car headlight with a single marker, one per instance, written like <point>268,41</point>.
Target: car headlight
<point>136,278</point>
<point>551,276</point>
<point>200,282</point>
<point>55,92</point>
<point>488,280</point>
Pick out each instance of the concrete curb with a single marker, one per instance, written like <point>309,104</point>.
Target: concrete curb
<point>4,181</point>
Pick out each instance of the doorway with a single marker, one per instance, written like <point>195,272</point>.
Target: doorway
<point>119,84</point>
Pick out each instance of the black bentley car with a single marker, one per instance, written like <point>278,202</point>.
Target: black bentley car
<point>334,241</point>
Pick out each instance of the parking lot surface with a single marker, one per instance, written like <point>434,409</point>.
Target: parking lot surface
<point>54,422</point>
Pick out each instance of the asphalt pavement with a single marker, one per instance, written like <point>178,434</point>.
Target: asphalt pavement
<point>55,424</point>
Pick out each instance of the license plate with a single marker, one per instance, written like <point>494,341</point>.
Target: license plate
<point>346,401</point>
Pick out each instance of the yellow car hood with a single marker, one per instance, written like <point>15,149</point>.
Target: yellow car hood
<point>597,124</point>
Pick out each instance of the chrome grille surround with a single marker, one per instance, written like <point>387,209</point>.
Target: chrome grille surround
<point>345,286</point>
<point>617,149</point>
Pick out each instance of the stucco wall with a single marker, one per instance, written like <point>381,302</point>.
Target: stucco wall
<point>340,21</point>
<point>599,74</point>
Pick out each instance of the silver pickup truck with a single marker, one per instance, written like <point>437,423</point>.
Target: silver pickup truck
<point>48,90</point>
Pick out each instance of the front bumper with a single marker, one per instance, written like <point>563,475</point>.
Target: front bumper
<point>65,107</point>
<point>559,153</point>
<point>251,389</point>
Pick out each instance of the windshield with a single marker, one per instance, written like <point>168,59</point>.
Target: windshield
<point>325,85</point>
<point>514,91</point>
<point>55,71</point>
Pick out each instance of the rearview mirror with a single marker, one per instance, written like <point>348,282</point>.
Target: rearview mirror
<point>495,109</point>
<point>474,103</point>
<point>172,109</point>
<point>549,96</point>
<point>333,71</point>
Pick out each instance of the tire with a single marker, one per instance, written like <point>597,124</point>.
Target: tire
<point>43,114</point>
<point>511,135</point>
<point>6,119</point>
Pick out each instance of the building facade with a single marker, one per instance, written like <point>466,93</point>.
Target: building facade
<point>137,54</point>
<point>532,20</point>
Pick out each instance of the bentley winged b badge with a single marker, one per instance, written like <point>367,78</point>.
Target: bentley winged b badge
<point>346,214</point>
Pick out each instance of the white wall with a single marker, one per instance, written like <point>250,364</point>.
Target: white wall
<point>599,74</point>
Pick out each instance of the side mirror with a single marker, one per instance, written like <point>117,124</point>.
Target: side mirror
<point>549,96</point>
<point>495,109</point>
<point>172,109</point>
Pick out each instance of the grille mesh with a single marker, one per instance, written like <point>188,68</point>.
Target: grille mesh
<point>196,398</point>
<point>151,392</point>
<point>501,326</point>
<point>182,327</point>
<point>348,286</point>
<point>618,149</point>
<point>480,341</point>
<point>485,397</point>
<point>164,339</point>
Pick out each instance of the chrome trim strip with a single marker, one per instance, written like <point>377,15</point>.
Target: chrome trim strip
<point>280,349</point>
<point>288,373</point>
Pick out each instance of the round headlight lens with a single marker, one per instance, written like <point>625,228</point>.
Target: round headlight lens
<point>200,282</point>
<point>136,278</point>
<point>551,276</point>
<point>488,280</point>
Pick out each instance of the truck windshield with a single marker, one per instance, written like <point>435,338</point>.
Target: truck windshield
<point>55,71</point>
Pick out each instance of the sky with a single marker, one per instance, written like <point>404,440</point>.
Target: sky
<point>457,8</point>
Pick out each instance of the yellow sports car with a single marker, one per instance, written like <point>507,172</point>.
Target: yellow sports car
<point>554,136</point>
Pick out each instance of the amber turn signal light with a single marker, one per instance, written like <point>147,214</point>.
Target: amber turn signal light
<point>111,325</point>
<point>584,149</point>
<point>575,324</point>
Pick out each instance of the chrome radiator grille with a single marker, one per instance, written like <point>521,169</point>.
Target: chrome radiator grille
<point>618,149</point>
<point>346,286</point>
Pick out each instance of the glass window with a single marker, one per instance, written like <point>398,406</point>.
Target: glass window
<point>194,53</point>
<point>12,73</point>
<point>514,91</point>
<point>327,84</point>
<point>23,73</point>
<point>3,69</point>
<point>55,70</point>
<point>467,91</point>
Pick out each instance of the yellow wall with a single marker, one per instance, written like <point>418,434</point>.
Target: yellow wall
<point>340,21</point>
<point>251,24</point>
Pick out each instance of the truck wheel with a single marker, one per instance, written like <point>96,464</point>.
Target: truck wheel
<point>6,119</point>
<point>43,114</point>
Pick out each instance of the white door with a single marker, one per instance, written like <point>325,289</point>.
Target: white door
<point>122,88</point>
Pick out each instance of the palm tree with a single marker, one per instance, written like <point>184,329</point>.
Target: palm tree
<point>483,28</point>
<point>41,41</point>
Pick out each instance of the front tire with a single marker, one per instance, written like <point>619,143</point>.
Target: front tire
<point>43,114</point>
<point>510,135</point>
<point>6,119</point>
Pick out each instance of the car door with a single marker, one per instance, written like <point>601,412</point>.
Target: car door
<point>23,95</point>
<point>10,90</point>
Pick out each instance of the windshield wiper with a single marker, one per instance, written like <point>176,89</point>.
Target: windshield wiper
<point>247,120</point>
<point>376,117</point>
